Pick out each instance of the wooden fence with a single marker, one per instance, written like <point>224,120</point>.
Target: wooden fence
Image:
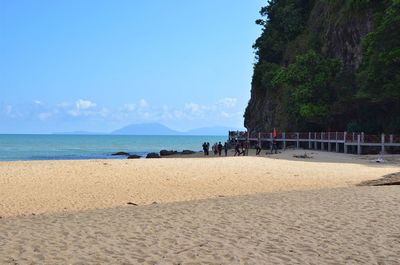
<point>329,141</point>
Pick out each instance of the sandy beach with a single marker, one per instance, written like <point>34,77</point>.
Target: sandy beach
<point>334,226</point>
<point>231,210</point>
<point>36,187</point>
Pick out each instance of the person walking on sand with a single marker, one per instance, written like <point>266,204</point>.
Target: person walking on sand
<point>204,148</point>
<point>219,148</point>
<point>237,149</point>
<point>258,149</point>
<point>226,148</point>
<point>243,152</point>
<point>273,146</point>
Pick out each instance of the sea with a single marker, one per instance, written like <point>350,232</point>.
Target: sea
<point>76,147</point>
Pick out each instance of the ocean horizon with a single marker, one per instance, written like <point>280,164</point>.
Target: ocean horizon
<point>16,147</point>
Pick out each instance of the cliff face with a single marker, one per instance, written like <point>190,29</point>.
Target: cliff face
<point>297,83</point>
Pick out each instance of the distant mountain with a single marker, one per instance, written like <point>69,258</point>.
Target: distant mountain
<point>214,130</point>
<point>160,129</point>
<point>146,129</point>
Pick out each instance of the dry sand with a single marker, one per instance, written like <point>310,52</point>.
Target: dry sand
<point>56,186</point>
<point>358,225</point>
<point>289,211</point>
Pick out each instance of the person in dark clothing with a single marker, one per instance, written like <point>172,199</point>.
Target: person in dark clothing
<point>258,149</point>
<point>208,148</point>
<point>226,148</point>
<point>243,147</point>
<point>219,147</point>
<point>237,149</point>
<point>204,148</point>
<point>274,147</point>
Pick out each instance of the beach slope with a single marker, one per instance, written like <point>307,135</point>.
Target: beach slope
<point>358,225</point>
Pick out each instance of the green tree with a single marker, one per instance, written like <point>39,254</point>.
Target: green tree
<point>379,75</point>
<point>308,86</point>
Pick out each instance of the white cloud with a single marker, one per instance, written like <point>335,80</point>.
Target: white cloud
<point>196,108</point>
<point>225,114</point>
<point>82,108</point>
<point>193,107</point>
<point>74,112</point>
<point>104,112</point>
<point>228,102</point>
<point>192,114</point>
<point>82,104</point>
<point>128,108</point>
<point>8,109</point>
<point>44,115</point>
<point>64,104</point>
<point>143,103</point>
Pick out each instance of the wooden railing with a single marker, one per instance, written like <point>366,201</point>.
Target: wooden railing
<point>343,137</point>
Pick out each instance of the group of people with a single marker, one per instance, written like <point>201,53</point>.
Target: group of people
<point>241,148</point>
<point>216,148</point>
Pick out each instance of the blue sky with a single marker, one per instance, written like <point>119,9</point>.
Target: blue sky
<point>100,65</point>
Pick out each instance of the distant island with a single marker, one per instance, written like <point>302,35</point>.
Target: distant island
<point>155,128</point>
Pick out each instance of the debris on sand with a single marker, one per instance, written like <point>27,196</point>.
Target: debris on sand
<point>305,156</point>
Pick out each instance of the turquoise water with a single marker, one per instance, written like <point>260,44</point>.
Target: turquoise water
<point>64,147</point>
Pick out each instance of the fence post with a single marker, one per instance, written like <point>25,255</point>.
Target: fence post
<point>322,141</point>
<point>358,144</point>
<point>283,140</point>
<point>329,141</point>
<point>270,141</point>
<point>309,140</point>
<point>297,142</point>
<point>382,143</point>
<point>259,139</point>
<point>391,138</point>
<point>337,143</point>
<point>344,143</point>
<point>315,141</point>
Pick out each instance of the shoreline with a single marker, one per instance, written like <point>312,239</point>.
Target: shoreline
<point>282,154</point>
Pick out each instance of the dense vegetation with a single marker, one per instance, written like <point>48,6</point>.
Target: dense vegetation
<point>327,65</point>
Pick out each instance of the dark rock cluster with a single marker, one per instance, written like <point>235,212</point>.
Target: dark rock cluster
<point>174,152</point>
<point>153,155</point>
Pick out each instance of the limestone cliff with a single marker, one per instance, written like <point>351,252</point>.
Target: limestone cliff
<point>297,82</point>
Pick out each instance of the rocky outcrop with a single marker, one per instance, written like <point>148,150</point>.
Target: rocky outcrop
<point>152,155</point>
<point>120,154</point>
<point>172,152</point>
<point>187,152</point>
<point>168,152</point>
<point>134,157</point>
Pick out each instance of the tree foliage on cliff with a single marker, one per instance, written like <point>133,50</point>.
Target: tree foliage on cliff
<point>309,89</point>
<point>302,81</point>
